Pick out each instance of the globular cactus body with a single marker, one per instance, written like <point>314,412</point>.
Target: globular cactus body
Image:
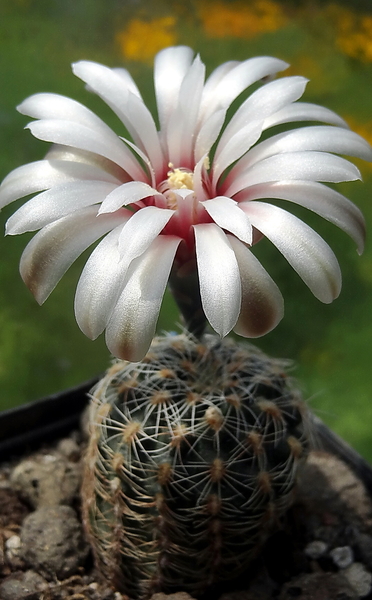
<point>192,457</point>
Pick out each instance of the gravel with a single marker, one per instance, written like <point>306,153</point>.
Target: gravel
<point>321,551</point>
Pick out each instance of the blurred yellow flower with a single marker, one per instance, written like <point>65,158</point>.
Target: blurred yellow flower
<point>353,32</point>
<point>239,20</point>
<point>141,40</point>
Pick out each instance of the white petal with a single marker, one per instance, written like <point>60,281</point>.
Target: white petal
<point>125,194</point>
<point>200,174</point>
<point>128,80</point>
<point>319,198</point>
<point>217,75</point>
<point>304,111</point>
<point>105,169</point>
<point>55,106</point>
<point>133,321</point>
<point>100,285</point>
<point>320,138</point>
<point>44,174</point>
<point>304,249</point>
<point>265,101</point>
<point>182,122</point>
<point>225,89</point>
<point>219,277</point>
<point>99,141</point>
<point>262,303</point>
<point>233,148</point>
<point>208,134</point>
<point>113,89</point>
<point>319,166</point>
<point>171,66</point>
<point>227,214</point>
<point>141,230</point>
<point>57,202</point>
<point>51,251</point>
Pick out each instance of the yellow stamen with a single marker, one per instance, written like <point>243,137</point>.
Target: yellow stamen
<point>180,180</point>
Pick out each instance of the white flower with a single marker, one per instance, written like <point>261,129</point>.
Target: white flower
<point>192,196</point>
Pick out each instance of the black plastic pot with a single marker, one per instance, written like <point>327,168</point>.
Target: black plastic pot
<point>28,426</point>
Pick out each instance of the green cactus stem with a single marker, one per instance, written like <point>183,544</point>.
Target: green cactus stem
<point>192,460</point>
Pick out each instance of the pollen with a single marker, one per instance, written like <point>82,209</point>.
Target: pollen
<point>179,179</point>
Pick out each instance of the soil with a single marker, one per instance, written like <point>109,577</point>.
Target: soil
<point>321,551</point>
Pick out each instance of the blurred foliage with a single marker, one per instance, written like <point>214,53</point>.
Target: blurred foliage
<point>41,349</point>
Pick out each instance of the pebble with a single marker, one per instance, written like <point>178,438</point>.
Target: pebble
<point>342,556</point>
<point>21,585</point>
<point>364,544</point>
<point>47,480</point>
<point>70,449</point>
<point>12,549</point>
<point>359,578</point>
<point>13,545</point>
<point>53,542</point>
<point>316,549</point>
<point>318,586</point>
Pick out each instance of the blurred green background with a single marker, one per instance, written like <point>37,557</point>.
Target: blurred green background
<point>41,348</point>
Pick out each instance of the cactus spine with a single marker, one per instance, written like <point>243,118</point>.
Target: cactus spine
<point>192,457</point>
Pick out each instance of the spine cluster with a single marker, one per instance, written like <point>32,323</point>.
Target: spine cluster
<point>192,459</point>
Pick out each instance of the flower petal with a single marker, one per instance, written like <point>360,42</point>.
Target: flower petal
<point>100,285</point>
<point>234,148</point>
<point>319,166</point>
<point>227,214</point>
<point>182,122</point>
<point>141,230</point>
<point>129,82</point>
<point>262,303</point>
<point>208,134</point>
<point>98,141</point>
<point>319,198</point>
<point>47,106</point>
<point>222,91</point>
<point>131,110</point>
<point>133,321</point>
<point>171,66</point>
<point>320,138</point>
<point>57,202</point>
<point>53,250</point>
<point>125,194</point>
<point>265,101</point>
<point>44,174</point>
<point>304,111</point>
<point>219,277</point>
<point>304,249</point>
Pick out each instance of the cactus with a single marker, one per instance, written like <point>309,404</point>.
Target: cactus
<point>192,459</point>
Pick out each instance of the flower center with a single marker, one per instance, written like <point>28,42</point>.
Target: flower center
<point>178,179</point>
